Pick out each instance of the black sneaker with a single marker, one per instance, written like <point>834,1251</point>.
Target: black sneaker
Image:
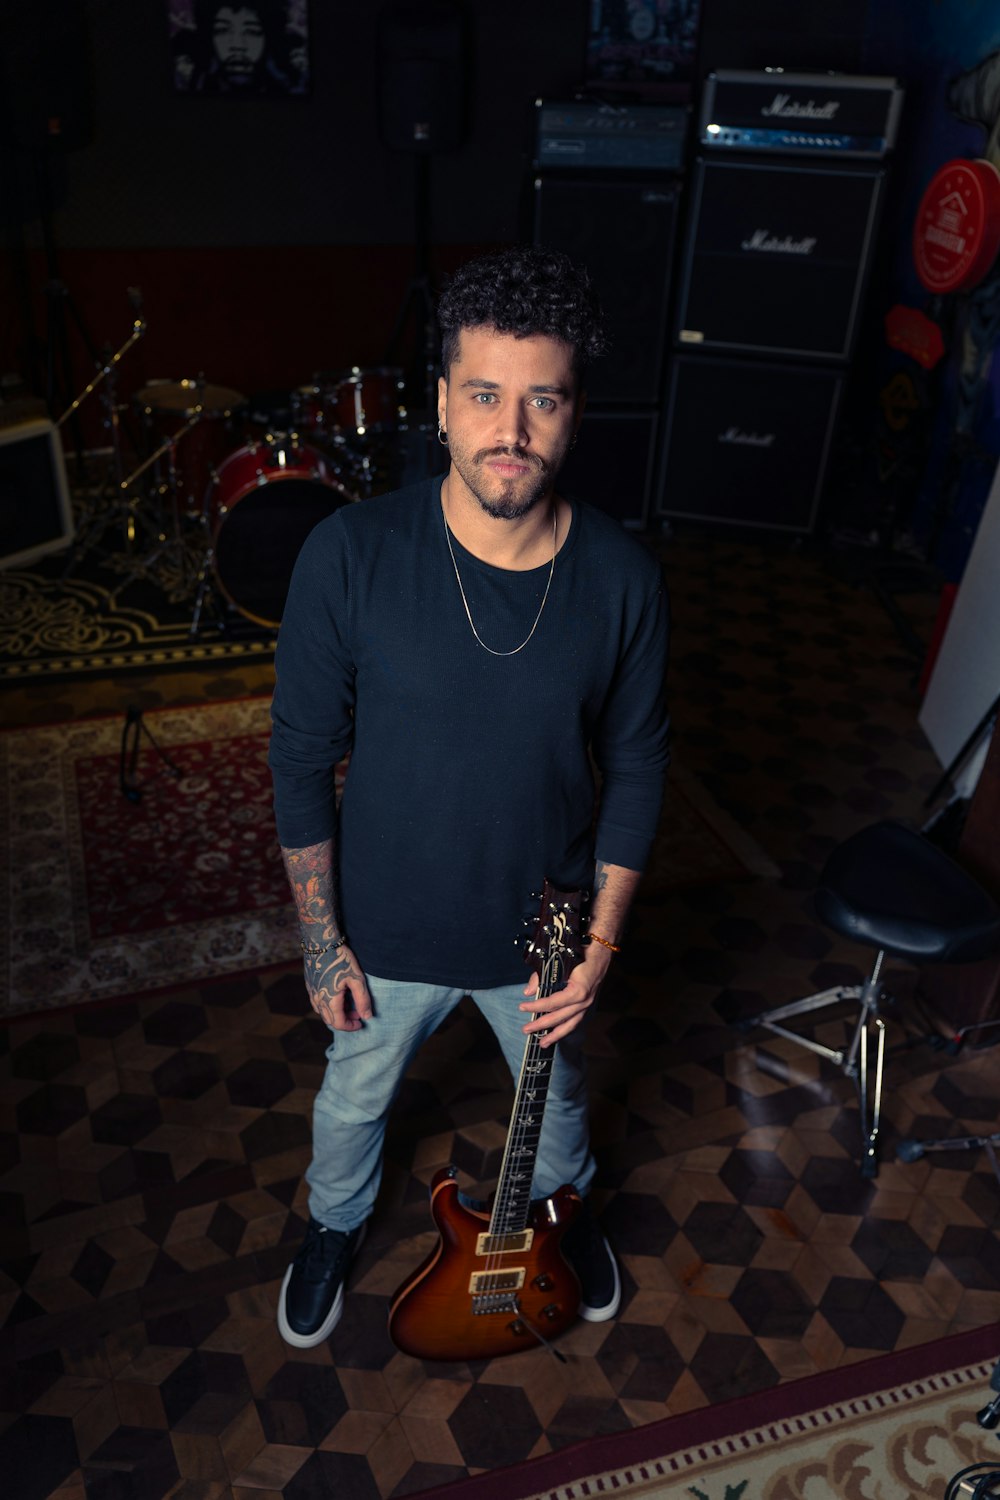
<point>312,1293</point>
<point>593,1260</point>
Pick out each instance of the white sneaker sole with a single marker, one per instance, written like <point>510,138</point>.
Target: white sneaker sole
<point>604,1314</point>
<point>310,1340</point>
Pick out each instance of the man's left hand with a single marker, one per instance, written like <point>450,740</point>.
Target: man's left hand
<point>562,1012</point>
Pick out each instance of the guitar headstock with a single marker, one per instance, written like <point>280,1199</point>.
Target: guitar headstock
<point>555,946</point>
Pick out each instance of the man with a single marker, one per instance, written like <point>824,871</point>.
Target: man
<point>241,45</point>
<point>471,641</point>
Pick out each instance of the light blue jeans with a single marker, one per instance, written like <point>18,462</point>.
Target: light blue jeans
<point>365,1069</point>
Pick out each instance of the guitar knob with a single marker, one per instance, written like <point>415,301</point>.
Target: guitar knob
<point>544,1282</point>
<point>551,1311</point>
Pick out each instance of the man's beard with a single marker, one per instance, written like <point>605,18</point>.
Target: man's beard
<point>511,502</point>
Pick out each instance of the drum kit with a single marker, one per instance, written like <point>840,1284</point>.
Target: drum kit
<point>227,488</point>
<point>239,483</point>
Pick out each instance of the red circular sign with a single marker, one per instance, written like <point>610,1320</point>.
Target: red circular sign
<point>957,234</point>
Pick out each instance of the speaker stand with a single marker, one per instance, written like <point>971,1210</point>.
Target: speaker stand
<point>418,299</point>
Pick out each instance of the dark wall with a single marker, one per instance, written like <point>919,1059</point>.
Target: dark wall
<point>790,34</point>
<point>270,237</point>
<point>169,169</point>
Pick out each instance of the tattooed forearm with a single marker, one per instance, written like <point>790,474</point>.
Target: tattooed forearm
<point>614,888</point>
<point>335,982</point>
<point>311,877</point>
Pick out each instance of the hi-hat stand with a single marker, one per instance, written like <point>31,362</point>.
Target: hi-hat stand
<point>913,1150</point>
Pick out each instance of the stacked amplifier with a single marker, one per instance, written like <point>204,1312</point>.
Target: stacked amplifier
<point>607,192</point>
<point>783,204</point>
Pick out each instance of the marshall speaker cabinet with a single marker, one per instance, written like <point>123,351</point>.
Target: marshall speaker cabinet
<point>622,229</point>
<point>613,464</point>
<point>777,256</point>
<point>746,442</point>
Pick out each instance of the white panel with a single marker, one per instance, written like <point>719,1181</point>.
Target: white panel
<point>966,677</point>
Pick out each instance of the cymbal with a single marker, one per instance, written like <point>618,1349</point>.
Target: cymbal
<point>183,397</point>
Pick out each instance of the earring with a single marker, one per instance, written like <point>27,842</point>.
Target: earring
<point>442,435</point>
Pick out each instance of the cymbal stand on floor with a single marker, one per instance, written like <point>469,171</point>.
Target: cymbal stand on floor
<point>163,531</point>
<point>95,518</point>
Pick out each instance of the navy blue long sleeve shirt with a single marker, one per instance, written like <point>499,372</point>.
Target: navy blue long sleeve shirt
<point>471,775</point>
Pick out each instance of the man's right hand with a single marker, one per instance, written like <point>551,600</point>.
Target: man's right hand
<point>338,991</point>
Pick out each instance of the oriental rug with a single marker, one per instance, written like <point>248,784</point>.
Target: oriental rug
<point>896,1428</point>
<point>104,897</point>
<point>54,628</point>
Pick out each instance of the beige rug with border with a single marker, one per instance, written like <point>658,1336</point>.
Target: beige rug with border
<point>900,1427</point>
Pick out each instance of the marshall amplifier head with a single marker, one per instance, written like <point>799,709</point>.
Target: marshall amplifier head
<point>587,135</point>
<point>800,114</point>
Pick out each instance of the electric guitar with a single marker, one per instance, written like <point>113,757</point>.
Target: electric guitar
<point>496,1281</point>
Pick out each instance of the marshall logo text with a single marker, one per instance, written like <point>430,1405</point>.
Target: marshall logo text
<point>773,244</point>
<point>746,439</point>
<point>784,107</point>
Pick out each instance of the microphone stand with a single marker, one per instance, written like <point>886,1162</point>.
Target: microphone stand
<point>135,726</point>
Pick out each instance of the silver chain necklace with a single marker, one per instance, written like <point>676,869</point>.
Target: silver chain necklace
<point>468,612</point>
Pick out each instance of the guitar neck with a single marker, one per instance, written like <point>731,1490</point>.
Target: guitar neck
<point>512,1203</point>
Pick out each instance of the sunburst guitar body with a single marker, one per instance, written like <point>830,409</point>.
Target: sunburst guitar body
<point>496,1282</point>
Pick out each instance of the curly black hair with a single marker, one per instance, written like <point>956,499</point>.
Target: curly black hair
<point>524,290</point>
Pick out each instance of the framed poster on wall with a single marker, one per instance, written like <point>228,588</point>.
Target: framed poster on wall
<point>244,49</point>
<point>642,42</point>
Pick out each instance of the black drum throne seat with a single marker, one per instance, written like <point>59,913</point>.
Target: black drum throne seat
<point>890,888</point>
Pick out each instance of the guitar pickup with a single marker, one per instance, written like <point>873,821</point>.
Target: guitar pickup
<point>505,1244</point>
<point>483,1282</point>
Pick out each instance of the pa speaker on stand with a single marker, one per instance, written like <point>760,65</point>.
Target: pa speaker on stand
<point>423,87</point>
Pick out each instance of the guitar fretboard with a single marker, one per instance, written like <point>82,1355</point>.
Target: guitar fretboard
<point>512,1204</point>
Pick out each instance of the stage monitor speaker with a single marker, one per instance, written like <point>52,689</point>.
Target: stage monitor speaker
<point>623,232</point>
<point>776,257</point>
<point>46,73</point>
<point>35,513</point>
<point>746,442</point>
<point>421,75</point>
<point>613,464</point>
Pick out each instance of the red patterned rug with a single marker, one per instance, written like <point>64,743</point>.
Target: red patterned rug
<point>107,896</point>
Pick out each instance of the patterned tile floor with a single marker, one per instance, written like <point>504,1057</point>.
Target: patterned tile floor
<point>151,1154</point>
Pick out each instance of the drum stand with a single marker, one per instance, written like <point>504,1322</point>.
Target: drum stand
<point>164,532</point>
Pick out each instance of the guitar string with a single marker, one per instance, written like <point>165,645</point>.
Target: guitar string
<point>502,1202</point>
<point>519,1135</point>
